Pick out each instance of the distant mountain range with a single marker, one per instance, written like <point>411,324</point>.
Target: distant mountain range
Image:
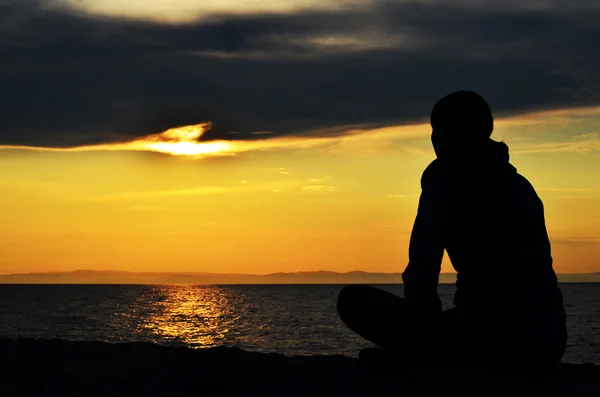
<point>319,277</point>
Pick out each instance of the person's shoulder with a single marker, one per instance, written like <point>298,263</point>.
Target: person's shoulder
<point>431,174</point>
<point>523,183</point>
<point>525,192</point>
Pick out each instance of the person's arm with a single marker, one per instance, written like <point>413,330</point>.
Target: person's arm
<point>426,251</point>
<point>537,300</point>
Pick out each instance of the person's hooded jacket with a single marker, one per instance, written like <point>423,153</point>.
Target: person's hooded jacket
<point>491,223</point>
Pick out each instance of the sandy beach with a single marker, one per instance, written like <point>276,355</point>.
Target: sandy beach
<point>62,368</point>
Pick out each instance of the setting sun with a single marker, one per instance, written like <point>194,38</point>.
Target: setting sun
<point>182,141</point>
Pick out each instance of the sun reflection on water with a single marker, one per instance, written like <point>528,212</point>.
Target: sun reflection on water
<point>189,315</point>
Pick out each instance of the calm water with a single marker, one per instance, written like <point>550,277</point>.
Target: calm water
<point>291,319</point>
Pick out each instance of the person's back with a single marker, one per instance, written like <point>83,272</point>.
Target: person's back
<point>490,221</point>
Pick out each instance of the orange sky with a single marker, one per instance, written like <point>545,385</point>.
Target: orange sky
<point>294,204</point>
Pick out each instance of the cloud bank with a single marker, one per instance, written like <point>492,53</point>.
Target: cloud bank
<point>74,77</point>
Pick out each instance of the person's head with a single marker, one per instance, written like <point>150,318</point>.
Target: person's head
<point>460,121</point>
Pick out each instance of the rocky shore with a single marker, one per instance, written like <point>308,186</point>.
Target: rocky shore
<point>62,368</point>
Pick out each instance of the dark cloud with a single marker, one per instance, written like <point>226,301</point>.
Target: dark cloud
<point>68,78</point>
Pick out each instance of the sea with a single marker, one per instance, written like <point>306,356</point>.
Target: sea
<point>288,319</point>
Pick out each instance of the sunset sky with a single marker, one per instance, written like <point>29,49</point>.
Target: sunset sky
<point>277,136</point>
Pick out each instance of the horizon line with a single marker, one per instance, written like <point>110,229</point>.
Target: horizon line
<point>244,274</point>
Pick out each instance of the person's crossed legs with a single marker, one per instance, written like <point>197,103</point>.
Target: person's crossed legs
<point>377,315</point>
<point>385,320</point>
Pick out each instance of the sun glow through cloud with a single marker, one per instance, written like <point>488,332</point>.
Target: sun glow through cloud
<point>183,141</point>
<point>179,141</point>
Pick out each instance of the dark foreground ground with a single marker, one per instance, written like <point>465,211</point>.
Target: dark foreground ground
<point>62,368</point>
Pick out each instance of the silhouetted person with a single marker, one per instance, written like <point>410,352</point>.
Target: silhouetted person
<point>490,221</point>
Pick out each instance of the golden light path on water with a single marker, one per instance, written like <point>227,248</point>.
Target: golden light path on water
<point>189,315</point>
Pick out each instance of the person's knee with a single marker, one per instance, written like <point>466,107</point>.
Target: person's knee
<point>347,298</point>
